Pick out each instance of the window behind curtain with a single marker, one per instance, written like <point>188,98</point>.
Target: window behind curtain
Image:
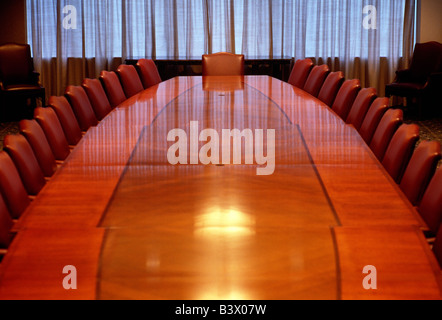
<point>332,27</point>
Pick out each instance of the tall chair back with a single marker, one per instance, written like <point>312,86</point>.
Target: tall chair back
<point>11,187</point>
<point>36,137</point>
<point>148,72</point>
<point>112,87</point>
<point>388,125</point>
<point>97,97</point>
<point>420,170</point>
<point>130,80</point>
<point>26,163</point>
<point>81,106</point>
<point>300,72</point>
<point>223,64</point>
<point>346,97</point>
<point>316,79</point>
<point>400,149</point>
<point>372,118</point>
<point>67,119</point>
<point>330,88</point>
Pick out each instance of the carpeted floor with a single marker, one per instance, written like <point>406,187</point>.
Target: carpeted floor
<point>7,128</point>
<point>429,130</point>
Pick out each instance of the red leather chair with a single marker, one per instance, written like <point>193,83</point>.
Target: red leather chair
<point>130,81</point>
<point>330,88</point>
<point>424,77</point>
<point>223,64</point>
<point>148,73</point>
<point>17,76</point>
<point>34,134</point>
<point>12,188</point>
<point>112,87</point>
<point>67,119</point>
<point>26,163</point>
<point>97,97</point>
<point>6,224</point>
<point>316,79</point>
<point>81,106</point>
<point>430,207</point>
<point>360,107</point>
<point>372,118</point>
<point>437,247</point>
<point>300,72</point>
<point>388,125</point>
<point>420,170</point>
<point>345,98</point>
<point>400,150</point>
<point>48,121</point>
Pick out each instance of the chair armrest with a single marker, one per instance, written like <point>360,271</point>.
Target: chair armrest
<point>35,76</point>
<point>437,76</point>
<point>433,80</point>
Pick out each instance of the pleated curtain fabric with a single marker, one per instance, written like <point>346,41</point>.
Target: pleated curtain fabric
<point>75,39</point>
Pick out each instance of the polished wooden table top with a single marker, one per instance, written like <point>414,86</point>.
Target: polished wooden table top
<point>137,227</point>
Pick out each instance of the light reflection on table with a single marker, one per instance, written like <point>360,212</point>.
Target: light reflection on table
<point>139,228</point>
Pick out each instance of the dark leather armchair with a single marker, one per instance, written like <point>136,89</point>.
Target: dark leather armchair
<point>18,80</point>
<point>423,80</point>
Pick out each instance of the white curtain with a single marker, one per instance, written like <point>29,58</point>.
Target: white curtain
<point>100,34</point>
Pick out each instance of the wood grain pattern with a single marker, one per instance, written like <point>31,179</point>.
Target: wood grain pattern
<point>33,267</point>
<point>140,228</point>
<point>397,254</point>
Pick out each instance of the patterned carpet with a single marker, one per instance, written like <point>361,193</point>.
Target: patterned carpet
<point>7,128</point>
<point>429,129</point>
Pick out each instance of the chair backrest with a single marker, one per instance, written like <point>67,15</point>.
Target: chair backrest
<point>360,107</point>
<point>388,125</point>
<point>345,97</point>
<point>420,170</point>
<point>11,187</point>
<point>430,207</point>
<point>16,64</point>
<point>67,119</point>
<point>79,101</point>
<point>97,97</point>
<point>427,58</point>
<point>330,88</point>
<point>6,224</point>
<point>223,64</point>
<point>48,120</point>
<point>437,247</point>
<point>316,79</point>
<point>372,118</point>
<point>112,87</point>
<point>130,80</point>
<point>148,72</point>
<point>400,149</point>
<point>36,137</point>
<point>300,72</point>
<point>21,153</point>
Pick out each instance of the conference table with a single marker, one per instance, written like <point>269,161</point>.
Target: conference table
<point>157,202</point>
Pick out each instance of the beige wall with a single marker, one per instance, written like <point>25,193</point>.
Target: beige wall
<point>13,21</point>
<point>431,21</point>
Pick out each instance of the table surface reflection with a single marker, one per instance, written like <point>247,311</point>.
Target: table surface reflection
<point>137,227</point>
